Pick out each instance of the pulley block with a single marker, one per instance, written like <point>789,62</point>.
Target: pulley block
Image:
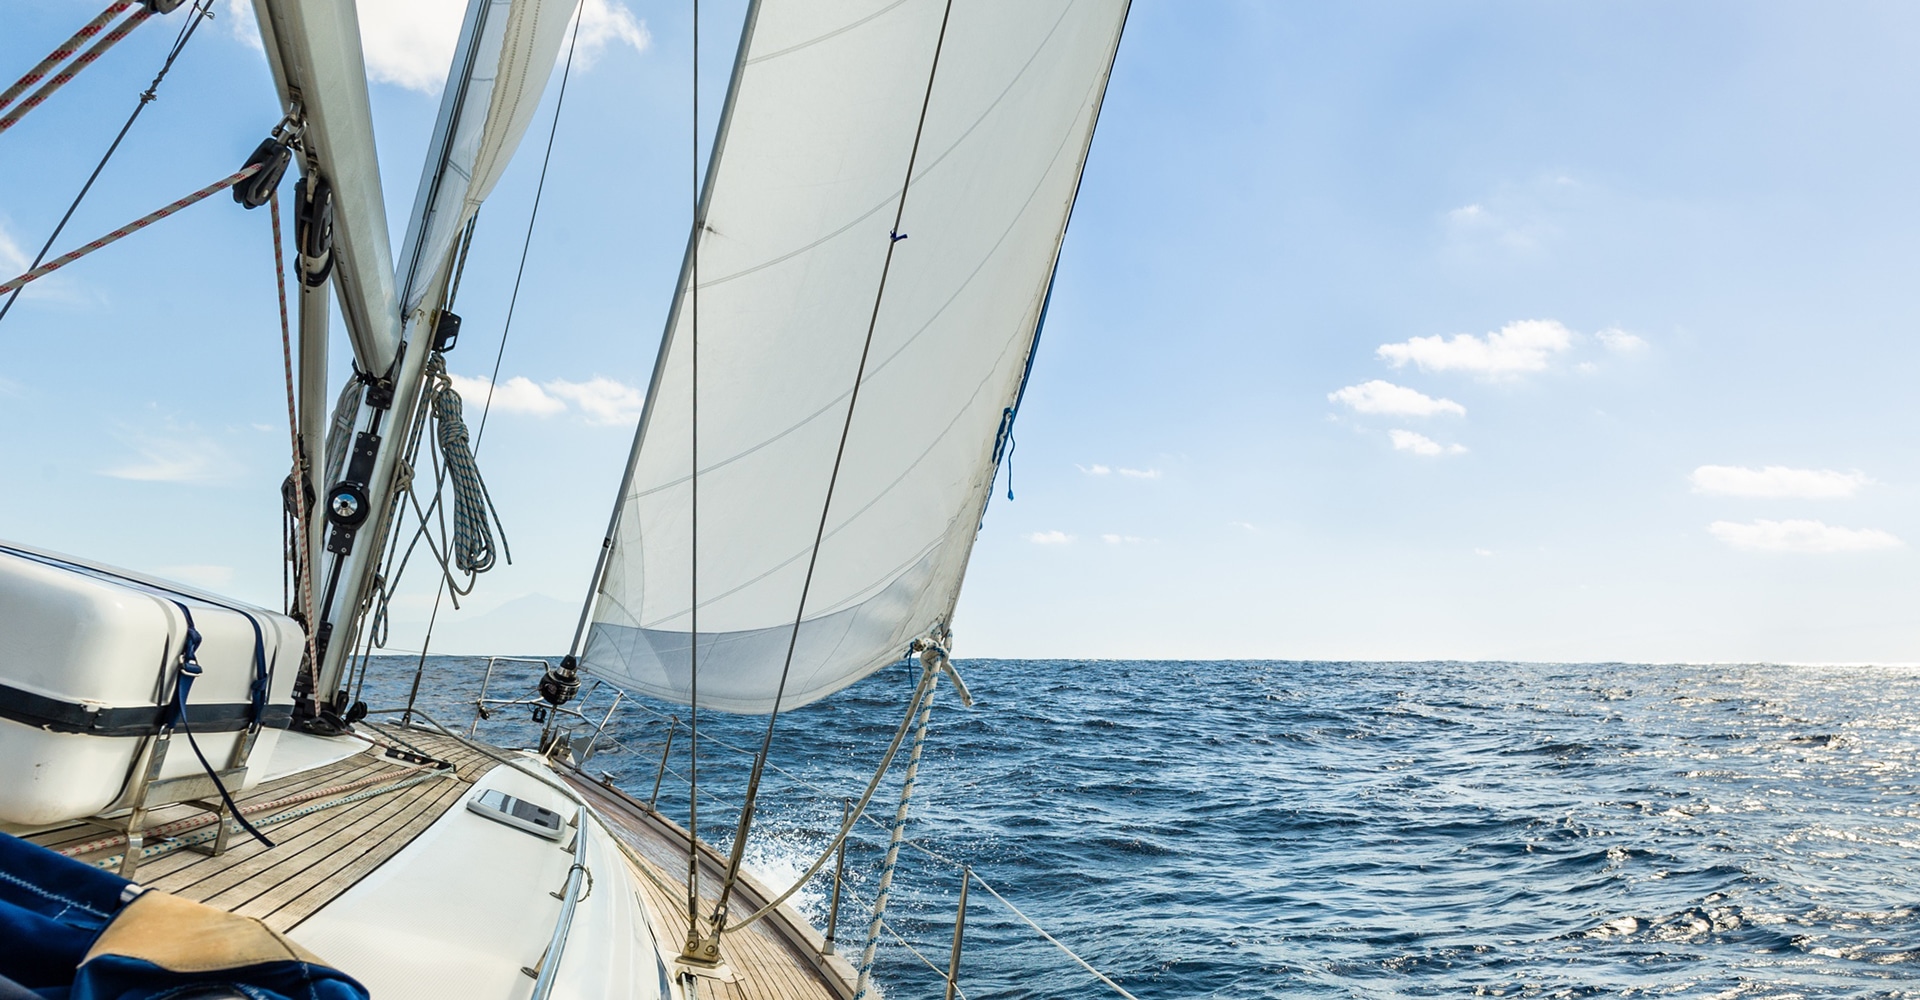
<point>272,156</point>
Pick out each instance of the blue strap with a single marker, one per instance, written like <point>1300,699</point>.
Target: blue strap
<point>190,670</point>
<point>261,678</point>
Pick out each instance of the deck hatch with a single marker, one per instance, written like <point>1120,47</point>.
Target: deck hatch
<point>517,813</point>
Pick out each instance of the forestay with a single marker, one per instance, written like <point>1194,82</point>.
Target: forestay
<point>813,148</point>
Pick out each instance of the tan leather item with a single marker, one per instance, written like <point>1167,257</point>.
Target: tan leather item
<point>183,936</point>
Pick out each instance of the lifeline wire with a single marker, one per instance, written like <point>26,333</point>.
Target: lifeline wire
<point>813,558</point>
<point>201,11</point>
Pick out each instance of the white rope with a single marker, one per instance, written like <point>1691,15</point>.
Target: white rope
<point>885,887</point>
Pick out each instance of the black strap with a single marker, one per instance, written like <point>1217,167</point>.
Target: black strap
<point>61,716</point>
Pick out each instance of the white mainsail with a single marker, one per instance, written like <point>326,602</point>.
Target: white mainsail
<point>813,149</point>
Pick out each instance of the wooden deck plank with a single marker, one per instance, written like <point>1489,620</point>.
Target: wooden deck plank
<point>306,841</point>
<point>290,901</point>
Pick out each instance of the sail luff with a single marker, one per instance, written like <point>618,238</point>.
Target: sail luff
<point>1033,339</point>
<point>694,231</point>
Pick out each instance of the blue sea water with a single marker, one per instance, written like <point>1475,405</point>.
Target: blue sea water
<point>1277,829</point>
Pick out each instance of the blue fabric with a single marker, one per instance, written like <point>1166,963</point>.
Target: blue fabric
<point>53,908</point>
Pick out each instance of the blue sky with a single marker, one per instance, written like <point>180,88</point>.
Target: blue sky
<point>1384,330</point>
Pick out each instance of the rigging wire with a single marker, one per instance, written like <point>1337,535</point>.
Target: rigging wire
<point>693,509</point>
<point>894,236</point>
<point>506,329</point>
<point>202,10</point>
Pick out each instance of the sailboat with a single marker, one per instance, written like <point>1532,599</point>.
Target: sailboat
<point>192,800</point>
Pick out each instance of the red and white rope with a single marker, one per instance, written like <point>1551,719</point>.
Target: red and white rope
<point>60,79</point>
<point>130,228</point>
<point>299,456</point>
<point>207,819</point>
<point>64,52</point>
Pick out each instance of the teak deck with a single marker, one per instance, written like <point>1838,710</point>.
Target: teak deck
<point>318,856</point>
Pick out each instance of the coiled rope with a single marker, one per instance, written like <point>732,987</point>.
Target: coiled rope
<point>472,547</point>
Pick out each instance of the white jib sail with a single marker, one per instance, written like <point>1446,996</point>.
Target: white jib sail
<point>507,51</point>
<point>813,150</point>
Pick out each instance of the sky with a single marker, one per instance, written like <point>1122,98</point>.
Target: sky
<point>1475,330</point>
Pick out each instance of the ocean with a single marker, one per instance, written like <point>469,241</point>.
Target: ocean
<point>1278,829</point>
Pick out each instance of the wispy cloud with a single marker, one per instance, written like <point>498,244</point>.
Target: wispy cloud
<point>1776,481</point>
<point>1112,539</point>
<point>604,23</point>
<point>1097,469</point>
<point>174,454</point>
<point>1383,397</point>
<point>411,44</point>
<point>1050,538</point>
<point>600,400</point>
<point>1242,525</point>
<point>1479,224</point>
<point>518,394</point>
<point>1618,341</point>
<point>241,24</point>
<point>1528,345</point>
<point>1420,444</point>
<point>1801,536</point>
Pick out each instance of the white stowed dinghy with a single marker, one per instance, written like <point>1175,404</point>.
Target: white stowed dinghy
<point>191,795</point>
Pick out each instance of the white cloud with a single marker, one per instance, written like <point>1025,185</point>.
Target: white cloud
<point>1243,525</point>
<point>516,395</point>
<point>603,23</point>
<point>601,399</point>
<point>1141,473</point>
<point>1111,539</point>
<point>1420,444</point>
<point>1801,536</point>
<point>1381,396</point>
<point>1527,345</point>
<point>175,455</point>
<point>241,23</point>
<point>1776,481</point>
<point>410,44</point>
<point>210,577</point>
<point>1050,538</point>
<point>1483,552</point>
<point>1093,470</point>
<point>1620,341</point>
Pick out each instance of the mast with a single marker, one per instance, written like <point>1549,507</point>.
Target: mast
<point>313,48</point>
<point>506,53</point>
